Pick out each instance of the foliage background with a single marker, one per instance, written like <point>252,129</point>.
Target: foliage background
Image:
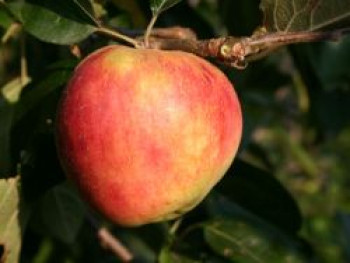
<point>285,199</point>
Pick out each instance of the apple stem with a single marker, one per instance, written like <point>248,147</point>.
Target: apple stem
<point>117,35</point>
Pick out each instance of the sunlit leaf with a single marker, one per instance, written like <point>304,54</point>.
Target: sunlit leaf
<point>305,15</point>
<point>12,90</point>
<point>10,228</point>
<point>240,242</point>
<point>159,6</point>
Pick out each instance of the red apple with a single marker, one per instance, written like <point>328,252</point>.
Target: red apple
<point>145,134</point>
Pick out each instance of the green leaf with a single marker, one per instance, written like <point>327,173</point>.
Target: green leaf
<point>240,17</point>
<point>12,90</point>
<point>305,15</point>
<point>62,212</point>
<point>57,76</point>
<point>159,6</point>
<point>240,242</point>
<point>258,192</point>
<point>5,19</point>
<point>6,117</point>
<point>167,256</point>
<point>324,69</point>
<point>52,21</point>
<point>10,225</point>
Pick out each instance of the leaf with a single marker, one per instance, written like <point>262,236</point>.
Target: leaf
<point>57,76</point>
<point>5,19</point>
<point>240,242</point>
<point>12,90</point>
<point>258,192</point>
<point>324,69</point>
<point>52,21</point>
<point>10,227</point>
<point>62,212</point>
<point>246,12</point>
<point>344,219</point>
<point>159,6</point>
<point>304,15</point>
<point>87,8</point>
<point>6,117</point>
<point>167,256</point>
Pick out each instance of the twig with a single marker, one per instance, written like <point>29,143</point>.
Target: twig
<point>108,241</point>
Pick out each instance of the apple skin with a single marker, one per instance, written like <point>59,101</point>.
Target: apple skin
<point>146,134</point>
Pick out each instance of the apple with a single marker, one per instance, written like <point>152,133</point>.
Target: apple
<point>146,134</point>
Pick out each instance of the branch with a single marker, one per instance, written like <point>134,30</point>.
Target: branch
<point>237,52</point>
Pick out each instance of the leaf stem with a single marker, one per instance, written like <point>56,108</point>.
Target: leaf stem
<point>11,32</point>
<point>175,226</point>
<point>24,66</point>
<point>117,35</point>
<point>91,16</point>
<point>149,28</point>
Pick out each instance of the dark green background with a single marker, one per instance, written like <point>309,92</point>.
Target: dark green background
<point>285,198</point>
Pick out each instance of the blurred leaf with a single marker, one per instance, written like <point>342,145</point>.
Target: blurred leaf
<point>98,10</point>
<point>159,6</point>
<point>58,74</point>
<point>144,242</point>
<point>324,70</point>
<point>86,8</point>
<point>132,7</point>
<point>241,242</point>
<point>330,61</point>
<point>5,19</point>
<point>12,32</point>
<point>184,15</point>
<point>167,256</point>
<point>6,117</point>
<point>63,213</point>
<point>12,90</point>
<point>345,232</point>
<point>10,228</point>
<point>58,22</point>
<point>304,15</point>
<point>304,159</point>
<point>261,194</point>
<point>241,17</point>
